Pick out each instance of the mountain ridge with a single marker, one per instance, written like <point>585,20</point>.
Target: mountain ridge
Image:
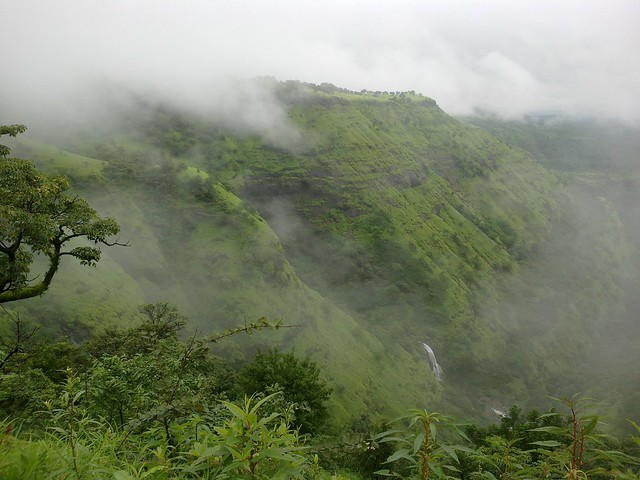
<point>385,224</point>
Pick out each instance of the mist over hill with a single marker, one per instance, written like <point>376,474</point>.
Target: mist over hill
<point>374,222</point>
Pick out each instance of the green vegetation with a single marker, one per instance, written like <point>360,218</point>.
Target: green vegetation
<point>141,403</point>
<point>384,224</point>
<point>299,382</point>
<point>39,218</point>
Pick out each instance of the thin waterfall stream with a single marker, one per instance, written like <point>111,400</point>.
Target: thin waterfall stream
<point>435,366</point>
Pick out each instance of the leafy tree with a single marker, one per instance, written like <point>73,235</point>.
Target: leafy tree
<point>522,428</point>
<point>159,321</point>
<point>12,131</point>
<point>299,381</point>
<point>39,218</point>
<point>22,395</point>
<point>54,358</point>
<point>145,374</point>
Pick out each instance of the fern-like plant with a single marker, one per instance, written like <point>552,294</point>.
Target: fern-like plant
<point>419,448</point>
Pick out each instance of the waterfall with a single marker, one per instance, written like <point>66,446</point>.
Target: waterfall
<point>437,369</point>
<point>500,413</point>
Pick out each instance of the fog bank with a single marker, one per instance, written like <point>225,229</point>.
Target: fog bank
<point>510,58</point>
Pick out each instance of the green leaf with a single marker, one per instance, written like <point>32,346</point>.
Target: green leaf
<point>433,429</point>
<point>417,443</point>
<point>451,452</point>
<point>385,434</point>
<point>384,472</point>
<point>277,454</point>
<point>549,429</point>
<point>398,455</point>
<point>122,475</point>
<point>235,410</point>
<point>547,443</point>
<point>461,433</point>
<point>462,448</point>
<point>153,470</point>
<point>489,475</point>
<point>548,414</point>
<point>266,399</point>
<point>591,425</point>
<point>77,396</point>
<point>393,439</point>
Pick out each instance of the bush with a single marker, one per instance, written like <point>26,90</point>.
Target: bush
<point>299,381</point>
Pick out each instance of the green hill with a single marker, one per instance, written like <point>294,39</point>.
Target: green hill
<point>384,223</point>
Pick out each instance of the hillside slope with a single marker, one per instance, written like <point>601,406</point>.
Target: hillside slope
<point>382,224</point>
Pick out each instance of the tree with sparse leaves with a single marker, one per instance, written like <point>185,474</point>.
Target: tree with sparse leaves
<point>38,217</point>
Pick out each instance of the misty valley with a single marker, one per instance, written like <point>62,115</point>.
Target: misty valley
<point>319,283</point>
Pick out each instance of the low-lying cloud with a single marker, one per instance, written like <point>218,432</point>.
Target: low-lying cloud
<point>508,57</point>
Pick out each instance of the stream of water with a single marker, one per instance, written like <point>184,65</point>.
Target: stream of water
<point>435,366</point>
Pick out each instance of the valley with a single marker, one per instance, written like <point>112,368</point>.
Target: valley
<point>374,223</point>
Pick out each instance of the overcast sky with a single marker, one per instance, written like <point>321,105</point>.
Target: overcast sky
<point>508,56</point>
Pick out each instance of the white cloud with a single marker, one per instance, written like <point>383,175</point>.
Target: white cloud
<point>510,57</point>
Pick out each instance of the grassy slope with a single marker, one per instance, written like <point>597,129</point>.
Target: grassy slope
<point>390,225</point>
<point>401,213</point>
<point>438,209</point>
<point>222,265</point>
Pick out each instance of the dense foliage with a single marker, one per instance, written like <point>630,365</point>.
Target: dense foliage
<point>123,389</point>
<point>142,403</point>
<point>381,224</point>
<point>39,217</point>
<point>299,381</point>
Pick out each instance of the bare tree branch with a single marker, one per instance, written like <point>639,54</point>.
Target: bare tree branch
<point>19,342</point>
